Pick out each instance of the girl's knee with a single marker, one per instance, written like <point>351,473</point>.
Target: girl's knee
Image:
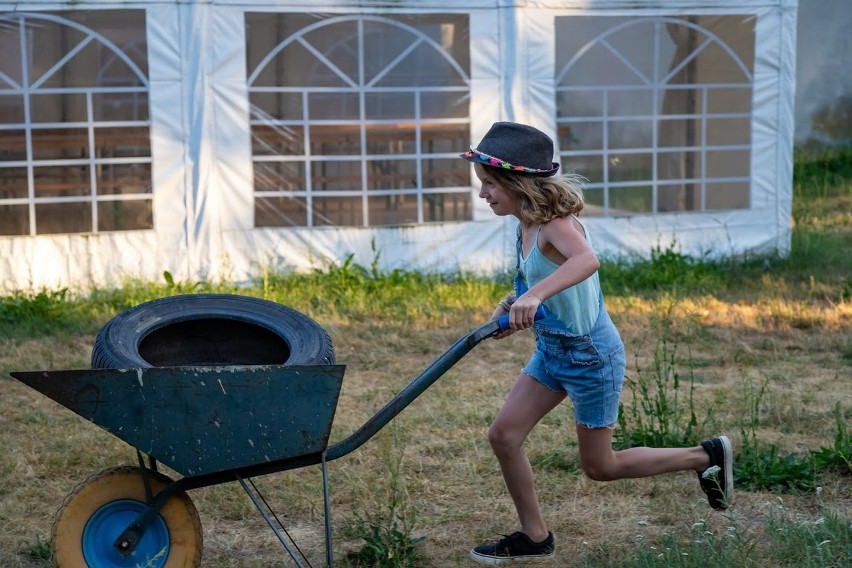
<point>597,474</point>
<point>496,436</point>
<point>597,458</point>
<point>501,439</point>
<point>599,470</point>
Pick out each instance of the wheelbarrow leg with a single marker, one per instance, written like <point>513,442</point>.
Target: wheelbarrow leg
<point>328,552</point>
<point>278,533</point>
<point>256,498</point>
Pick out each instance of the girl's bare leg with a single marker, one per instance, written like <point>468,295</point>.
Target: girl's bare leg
<point>601,463</point>
<point>526,404</point>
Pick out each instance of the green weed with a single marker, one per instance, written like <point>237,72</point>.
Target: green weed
<point>41,550</point>
<point>661,409</point>
<point>666,269</point>
<point>388,532</point>
<point>838,457</point>
<point>761,465</point>
<point>21,307</point>
<point>177,287</point>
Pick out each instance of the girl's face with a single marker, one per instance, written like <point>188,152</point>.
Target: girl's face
<point>500,200</point>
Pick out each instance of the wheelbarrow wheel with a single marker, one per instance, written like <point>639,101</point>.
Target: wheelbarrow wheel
<point>210,329</point>
<point>93,515</point>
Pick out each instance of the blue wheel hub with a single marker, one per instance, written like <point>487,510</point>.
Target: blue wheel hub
<point>105,526</point>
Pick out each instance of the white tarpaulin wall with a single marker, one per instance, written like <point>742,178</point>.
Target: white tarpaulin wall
<point>679,113</point>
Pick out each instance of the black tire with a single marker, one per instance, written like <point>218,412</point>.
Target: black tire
<point>210,330</point>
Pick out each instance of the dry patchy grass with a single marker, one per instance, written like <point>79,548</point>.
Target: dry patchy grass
<point>448,474</point>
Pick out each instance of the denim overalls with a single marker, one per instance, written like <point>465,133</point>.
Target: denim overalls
<point>589,368</point>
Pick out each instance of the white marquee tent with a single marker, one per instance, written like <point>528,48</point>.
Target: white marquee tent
<point>221,139</point>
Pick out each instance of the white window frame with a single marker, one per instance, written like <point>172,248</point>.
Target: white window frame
<point>35,86</point>
<point>361,88</point>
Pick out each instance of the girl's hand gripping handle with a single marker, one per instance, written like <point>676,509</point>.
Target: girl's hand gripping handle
<point>503,321</point>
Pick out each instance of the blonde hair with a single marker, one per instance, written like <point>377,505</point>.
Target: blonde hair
<point>542,199</point>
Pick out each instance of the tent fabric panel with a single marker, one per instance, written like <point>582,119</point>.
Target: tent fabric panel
<point>786,125</point>
<point>727,235</point>
<point>477,247</point>
<point>168,146</point>
<point>68,261</point>
<point>487,86</point>
<point>534,89</point>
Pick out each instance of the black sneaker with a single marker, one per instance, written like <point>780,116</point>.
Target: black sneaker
<point>515,547</point>
<point>717,481</point>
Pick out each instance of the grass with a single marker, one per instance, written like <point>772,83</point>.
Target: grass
<point>759,349</point>
<point>825,542</point>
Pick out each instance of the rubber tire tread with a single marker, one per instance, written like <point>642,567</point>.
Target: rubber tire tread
<point>124,482</point>
<point>117,343</point>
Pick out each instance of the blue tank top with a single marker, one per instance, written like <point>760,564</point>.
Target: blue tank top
<point>576,307</point>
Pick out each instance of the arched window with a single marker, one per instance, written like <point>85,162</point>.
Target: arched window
<point>656,112</point>
<point>358,120</point>
<point>75,152</point>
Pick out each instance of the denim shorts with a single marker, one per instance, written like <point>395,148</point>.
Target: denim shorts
<point>588,368</point>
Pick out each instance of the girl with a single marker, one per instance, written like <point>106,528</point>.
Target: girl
<point>579,353</point>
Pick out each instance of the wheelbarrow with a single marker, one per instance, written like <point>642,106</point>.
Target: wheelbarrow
<point>219,388</point>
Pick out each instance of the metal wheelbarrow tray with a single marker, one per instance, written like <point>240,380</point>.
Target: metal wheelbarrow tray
<point>171,383</point>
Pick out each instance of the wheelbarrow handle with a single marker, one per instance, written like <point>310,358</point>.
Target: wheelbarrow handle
<point>435,370</point>
<point>503,321</point>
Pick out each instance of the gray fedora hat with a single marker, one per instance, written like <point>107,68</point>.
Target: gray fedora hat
<point>516,147</point>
